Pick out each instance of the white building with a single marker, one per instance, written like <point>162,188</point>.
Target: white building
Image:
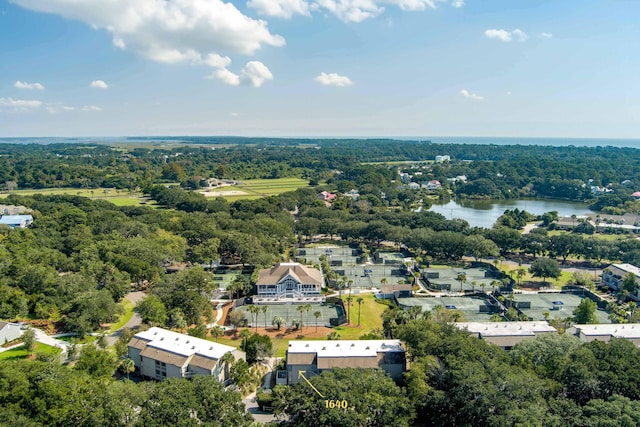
<point>606,331</point>
<point>314,357</point>
<point>613,276</point>
<point>9,332</point>
<point>13,221</point>
<point>506,334</point>
<point>441,159</point>
<point>289,280</point>
<point>159,354</point>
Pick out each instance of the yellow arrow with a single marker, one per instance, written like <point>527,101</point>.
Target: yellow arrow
<point>301,374</point>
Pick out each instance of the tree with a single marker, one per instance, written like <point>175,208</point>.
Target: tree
<point>258,347</point>
<point>217,331</point>
<point>333,336</point>
<point>95,362</point>
<point>301,308</point>
<point>203,401</point>
<point>244,335</point>
<point>264,310</point>
<point>585,312</point>
<point>372,397</point>
<point>237,318</point>
<point>127,366</point>
<point>462,278</point>
<point>278,321</point>
<point>520,273</point>
<point>317,315</point>
<point>359,300</point>
<point>545,267</point>
<point>630,283</point>
<point>480,247</point>
<point>29,339</point>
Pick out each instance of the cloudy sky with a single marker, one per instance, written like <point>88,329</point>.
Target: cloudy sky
<point>320,68</point>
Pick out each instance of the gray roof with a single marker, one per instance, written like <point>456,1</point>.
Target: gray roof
<point>301,273</point>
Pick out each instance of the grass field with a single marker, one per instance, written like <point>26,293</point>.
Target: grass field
<point>610,237</point>
<point>258,188</point>
<point>117,197</point>
<point>22,353</point>
<point>527,280</point>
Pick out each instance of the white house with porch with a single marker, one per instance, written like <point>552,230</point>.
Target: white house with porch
<point>289,280</point>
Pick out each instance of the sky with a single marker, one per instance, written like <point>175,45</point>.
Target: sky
<point>335,68</point>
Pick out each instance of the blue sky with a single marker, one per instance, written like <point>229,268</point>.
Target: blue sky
<point>320,68</point>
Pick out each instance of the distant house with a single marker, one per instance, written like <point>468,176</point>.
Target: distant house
<point>325,196</point>
<point>604,332</point>
<point>405,177</point>
<point>506,334</point>
<point>315,357</point>
<point>354,194</point>
<point>289,280</point>
<point>159,354</point>
<point>441,159</point>
<point>16,221</point>
<point>432,185</point>
<point>13,210</point>
<point>9,332</point>
<point>613,276</point>
<point>413,186</point>
<point>636,195</point>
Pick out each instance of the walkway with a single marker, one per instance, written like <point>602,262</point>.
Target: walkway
<point>250,403</point>
<point>132,323</point>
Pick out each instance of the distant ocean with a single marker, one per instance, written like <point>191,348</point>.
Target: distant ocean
<point>563,142</point>
<point>577,142</point>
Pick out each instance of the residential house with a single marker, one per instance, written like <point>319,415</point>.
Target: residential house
<point>606,331</point>
<point>432,185</point>
<point>289,280</point>
<point>442,159</point>
<point>636,195</point>
<point>315,357</point>
<point>159,354</point>
<point>413,186</point>
<point>506,334</point>
<point>325,196</point>
<point>9,332</point>
<point>16,221</point>
<point>613,276</point>
<point>353,193</point>
<point>396,291</point>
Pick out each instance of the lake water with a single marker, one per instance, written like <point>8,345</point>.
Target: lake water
<point>484,213</point>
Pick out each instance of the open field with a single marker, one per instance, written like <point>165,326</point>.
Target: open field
<point>117,197</point>
<point>610,237</point>
<point>257,188</point>
<point>22,353</point>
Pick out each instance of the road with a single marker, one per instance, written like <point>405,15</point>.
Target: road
<point>250,401</point>
<point>135,320</point>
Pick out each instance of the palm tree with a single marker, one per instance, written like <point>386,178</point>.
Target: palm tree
<point>462,278</point>
<point>277,321</point>
<point>307,308</point>
<point>359,300</point>
<point>483,285</point>
<point>317,314</point>
<point>384,281</point>
<point>264,309</point>
<point>520,273</point>
<point>227,359</point>
<point>127,366</point>
<point>473,286</point>
<point>300,308</point>
<point>349,300</point>
<point>244,334</point>
<point>217,331</point>
<point>254,309</point>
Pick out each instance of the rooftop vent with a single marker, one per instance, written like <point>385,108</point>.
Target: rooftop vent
<point>161,338</point>
<point>368,348</point>
<point>324,348</point>
<point>177,338</point>
<point>338,345</point>
<point>187,342</point>
<point>155,333</point>
<point>193,347</point>
<point>353,344</point>
<point>211,348</point>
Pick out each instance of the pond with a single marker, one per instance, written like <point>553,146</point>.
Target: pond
<point>484,213</point>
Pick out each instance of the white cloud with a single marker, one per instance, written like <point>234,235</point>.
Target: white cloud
<point>24,85</point>
<point>360,10</point>
<point>508,92</point>
<point>333,79</point>
<point>470,95</point>
<point>234,114</point>
<point>546,35</point>
<point>506,36</point>
<point>280,8</point>
<point>99,84</point>
<point>90,108</point>
<point>58,108</point>
<point>254,74</point>
<point>19,104</point>
<point>167,31</point>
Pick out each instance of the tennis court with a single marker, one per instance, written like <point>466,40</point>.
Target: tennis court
<point>555,303</point>
<point>469,306</point>
<point>446,279</point>
<point>289,313</point>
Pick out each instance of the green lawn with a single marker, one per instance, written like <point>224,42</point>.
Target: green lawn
<point>611,237</point>
<point>558,283</point>
<point>117,197</point>
<point>21,353</point>
<point>128,307</point>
